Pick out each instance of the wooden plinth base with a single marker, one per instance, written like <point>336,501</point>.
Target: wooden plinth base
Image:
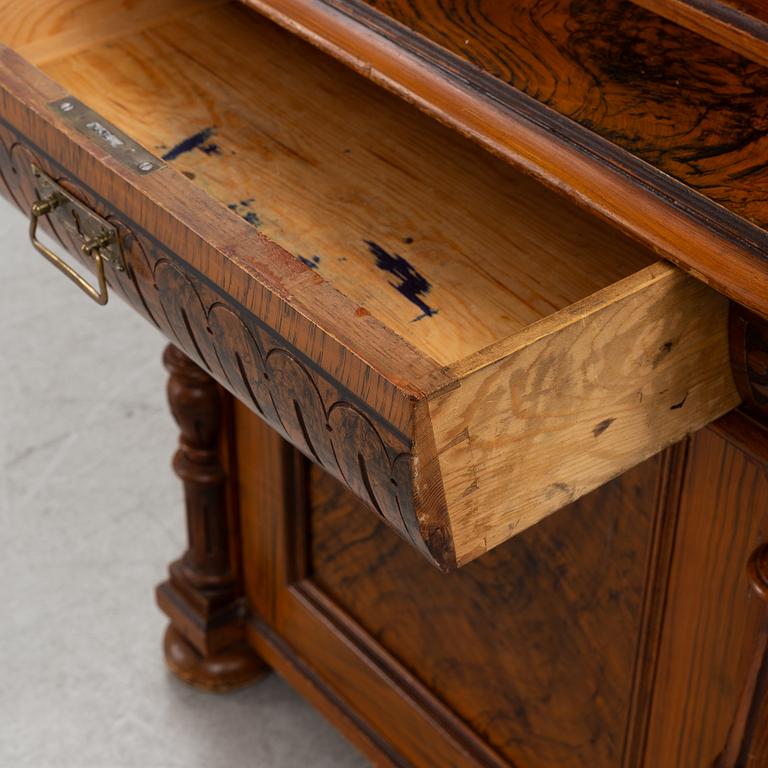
<point>226,671</point>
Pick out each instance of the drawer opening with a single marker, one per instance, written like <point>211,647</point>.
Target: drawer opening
<point>487,351</point>
<point>446,245</point>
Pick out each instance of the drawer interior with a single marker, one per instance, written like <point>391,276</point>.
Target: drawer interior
<point>446,245</point>
<point>505,352</point>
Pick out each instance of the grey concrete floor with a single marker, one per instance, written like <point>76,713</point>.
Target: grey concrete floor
<point>90,515</point>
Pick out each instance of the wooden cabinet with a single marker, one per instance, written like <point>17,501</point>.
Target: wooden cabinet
<point>623,630</point>
<point>471,306</point>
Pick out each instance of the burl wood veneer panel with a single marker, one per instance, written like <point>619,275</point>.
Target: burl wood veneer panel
<point>741,25</point>
<point>687,106</point>
<point>534,644</point>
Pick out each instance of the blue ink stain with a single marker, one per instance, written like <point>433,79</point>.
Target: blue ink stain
<point>411,284</point>
<point>211,149</point>
<point>311,263</point>
<point>250,216</point>
<point>196,141</point>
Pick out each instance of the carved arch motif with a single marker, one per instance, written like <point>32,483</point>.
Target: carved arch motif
<point>308,410</point>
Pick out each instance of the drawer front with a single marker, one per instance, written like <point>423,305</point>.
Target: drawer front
<point>255,337</point>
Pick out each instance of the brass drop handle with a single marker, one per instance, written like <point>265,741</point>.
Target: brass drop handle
<point>91,247</point>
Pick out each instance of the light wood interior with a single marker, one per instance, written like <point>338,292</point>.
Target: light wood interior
<point>359,185</point>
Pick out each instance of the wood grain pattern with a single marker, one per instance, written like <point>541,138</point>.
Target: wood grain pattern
<point>642,122</point>
<point>753,737</point>
<point>361,687</point>
<point>741,25</point>
<point>41,31</point>
<point>745,744</point>
<point>218,245</point>
<point>533,645</point>
<point>674,464</point>
<point>611,634</point>
<point>607,635</point>
<point>305,679</point>
<point>713,618</point>
<point>450,455</point>
<point>610,384</point>
<point>688,107</point>
<point>438,240</point>
<point>416,725</point>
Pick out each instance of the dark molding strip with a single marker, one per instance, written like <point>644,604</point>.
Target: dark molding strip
<point>300,667</point>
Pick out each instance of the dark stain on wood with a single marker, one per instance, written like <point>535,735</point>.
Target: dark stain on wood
<point>412,285</point>
<point>662,352</point>
<point>602,426</point>
<point>242,210</point>
<point>312,263</point>
<point>679,405</point>
<point>197,140</point>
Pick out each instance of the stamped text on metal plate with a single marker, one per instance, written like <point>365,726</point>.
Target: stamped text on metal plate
<point>114,141</point>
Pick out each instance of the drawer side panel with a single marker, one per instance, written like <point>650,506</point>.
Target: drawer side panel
<point>626,373</point>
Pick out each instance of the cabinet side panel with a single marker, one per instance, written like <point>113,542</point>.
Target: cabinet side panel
<point>712,627</point>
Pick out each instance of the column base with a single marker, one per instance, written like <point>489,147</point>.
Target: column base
<point>229,669</point>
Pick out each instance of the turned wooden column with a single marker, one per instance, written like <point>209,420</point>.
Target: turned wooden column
<point>205,641</point>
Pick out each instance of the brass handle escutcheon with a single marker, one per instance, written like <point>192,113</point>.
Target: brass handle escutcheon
<point>91,247</point>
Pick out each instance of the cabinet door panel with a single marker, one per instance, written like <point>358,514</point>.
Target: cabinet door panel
<point>534,645</point>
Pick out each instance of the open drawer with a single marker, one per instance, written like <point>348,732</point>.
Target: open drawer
<point>464,348</point>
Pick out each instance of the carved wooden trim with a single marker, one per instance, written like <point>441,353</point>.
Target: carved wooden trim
<point>296,397</point>
<point>205,644</point>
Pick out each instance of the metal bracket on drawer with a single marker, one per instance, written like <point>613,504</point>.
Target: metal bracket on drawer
<point>79,221</point>
<point>94,126</point>
<point>92,235</point>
